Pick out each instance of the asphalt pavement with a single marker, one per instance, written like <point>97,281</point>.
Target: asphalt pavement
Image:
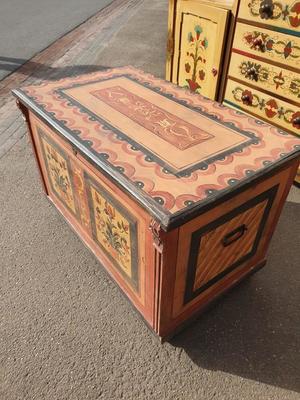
<point>28,26</point>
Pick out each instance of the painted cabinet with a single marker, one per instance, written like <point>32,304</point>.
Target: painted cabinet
<point>197,38</point>
<point>264,71</point>
<point>176,195</point>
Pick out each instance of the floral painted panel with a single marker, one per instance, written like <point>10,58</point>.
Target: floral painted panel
<point>59,173</point>
<point>281,14</point>
<point>270,45</point>
<point>276,80</point>
<point>266,107</point>
<point>264,43</point>
<point>114,230</point>
<point>198,46</point>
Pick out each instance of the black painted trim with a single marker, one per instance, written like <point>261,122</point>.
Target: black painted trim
<point>134,280</point>
<point>190,293</point>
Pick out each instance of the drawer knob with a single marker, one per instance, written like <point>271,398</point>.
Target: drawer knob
<point>296,122</point>
<point>252,74</point>
<point>259,45</point>
<point>234,235</point>
<point>266,9</point>
<point>247,98</point>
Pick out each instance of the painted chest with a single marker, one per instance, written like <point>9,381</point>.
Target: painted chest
<point>176,195</point>
<point>264,72</point>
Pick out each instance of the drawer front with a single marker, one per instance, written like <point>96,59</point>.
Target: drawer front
<point>198,47</point>
<point>219,247</point>
<point>268,77</point>
<point>281,15</point>
<point>111,226</point>
<point>263,106</point>
<point>267,46</point>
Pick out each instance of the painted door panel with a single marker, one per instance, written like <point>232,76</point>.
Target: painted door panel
<point>281,15</point>
<point>267,45</point>
<point>112,227</point>
<point>268,108</point>
<point>200,33</point>
<point>279,81</point>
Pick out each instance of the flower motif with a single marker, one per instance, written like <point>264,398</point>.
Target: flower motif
<point>198,31</point>
<point>110,211</point>
<point>250,70</point>
<point>54,155</point>
<point>193,85</point>
<point>287,50</point>
<point>271,108</point>
<point>259,45</point>
<point>190,37</point>
<point>187,67</point>
<point>201,75</point>
<point>97,198</point>
<point>294,18</point>
<point>295,86</point>
<point>123,227</point>
<point>278,80</point>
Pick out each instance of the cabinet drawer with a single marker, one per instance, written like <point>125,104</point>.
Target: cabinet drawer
<point>266,45</point>
<point>280,15</point>
<point>275,111</point>
<point>277,80</point>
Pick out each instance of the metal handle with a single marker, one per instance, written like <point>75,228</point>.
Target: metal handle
<point>234,235</point>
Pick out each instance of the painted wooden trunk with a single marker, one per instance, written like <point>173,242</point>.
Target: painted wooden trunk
<point>177,196</point>
<point>264,71</point>
<point>198,35</point>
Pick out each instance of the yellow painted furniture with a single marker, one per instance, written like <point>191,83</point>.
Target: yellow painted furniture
<point>264,70</point>
<point>199,33</point>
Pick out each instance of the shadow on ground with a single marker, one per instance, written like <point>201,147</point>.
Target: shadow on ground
<point>43,71</point>
<point>254,331</point>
